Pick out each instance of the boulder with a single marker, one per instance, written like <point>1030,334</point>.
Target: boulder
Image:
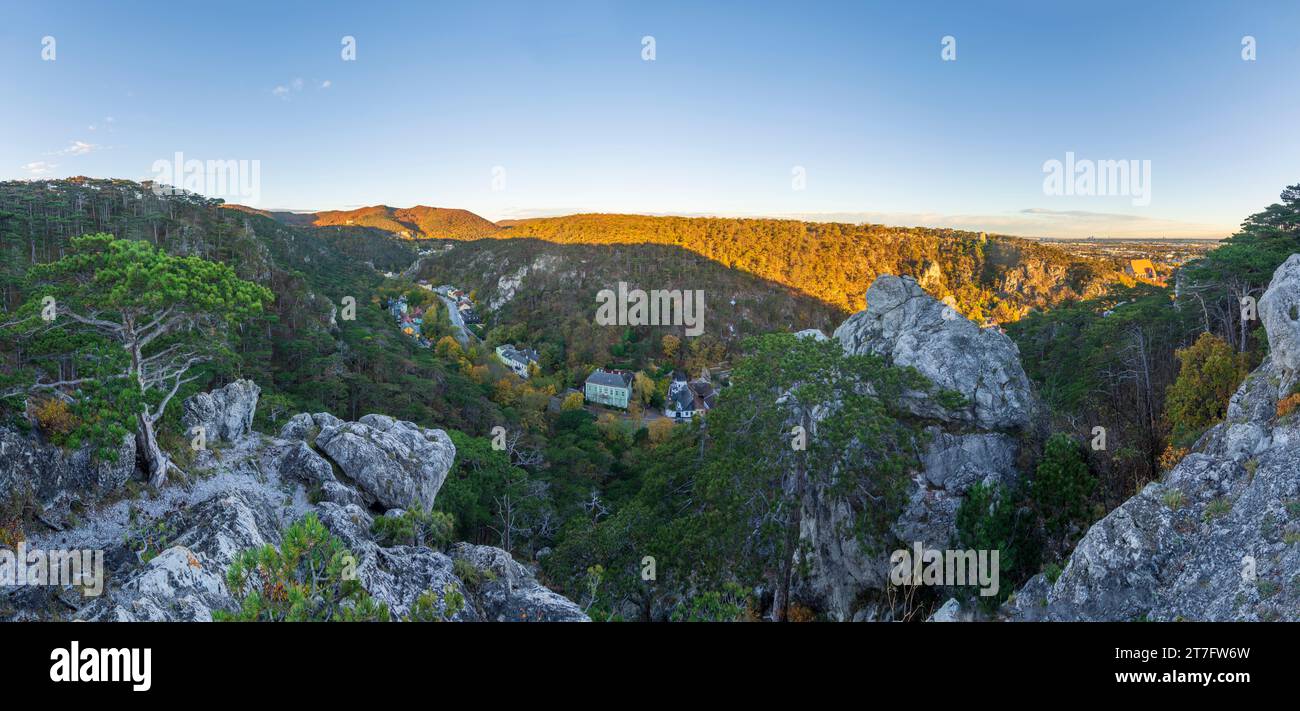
<point>305,426</point>
<point>301,462</point>
<point>225,414</point>
<point>393,463</point>
<point>908,327</point>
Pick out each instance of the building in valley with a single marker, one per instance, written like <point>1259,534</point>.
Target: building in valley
<point>517,359</point>
<point>688,398</point>
<point>609,387</point>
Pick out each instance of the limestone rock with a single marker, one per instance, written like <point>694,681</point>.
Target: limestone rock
<point>397,464</point>
<point>225,414</point>
<point>908,327</point>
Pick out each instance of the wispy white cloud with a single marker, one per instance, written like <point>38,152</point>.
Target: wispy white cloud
<point>326,84</point>
<point>40,167</point>
<point>283,91</point>
<point>78,148</point>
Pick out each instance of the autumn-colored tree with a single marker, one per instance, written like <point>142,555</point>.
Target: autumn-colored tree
<point>504,392</point>
<point>1209,373</point>
<point>660,430</point>
<point>447,347</point>
<point>643,387</point>
<point>670,344</point>
<point>572,401</point>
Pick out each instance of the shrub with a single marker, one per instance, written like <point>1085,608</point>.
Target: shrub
<point>55,419</point>
<point>994,518</point>
<point>312,577</point>
<point>1287,405</point>
<point>432,529</point>
<point>467,573</point>
<point>429,608</point>
<point>1062,486</point>
<point>1208,374</point>
<point>1171,457</point>
<point>725,605</point>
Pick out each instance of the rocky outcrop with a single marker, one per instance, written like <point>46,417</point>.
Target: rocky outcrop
<point>225,414</point>
<point>908,327</point>
<point>1219,537</point>
<point>187,581</point>
<point>394,463</point>
<point>1279,309</point>
<point>506,591</point>
<point>166,556</point>
<point>53,479</point>
<point>399,575</point>
<point>307,426</point>
<point>962,447</point>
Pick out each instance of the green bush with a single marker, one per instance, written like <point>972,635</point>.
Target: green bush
<point>1062,487</point>
<point>311,577</point>
<point>995,518</point>
<point>432,529</point>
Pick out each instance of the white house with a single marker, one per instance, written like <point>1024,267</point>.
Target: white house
<point>687,399</point>
<point>516,358</point>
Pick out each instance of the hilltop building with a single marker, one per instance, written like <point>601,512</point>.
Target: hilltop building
<point>1143,269</point>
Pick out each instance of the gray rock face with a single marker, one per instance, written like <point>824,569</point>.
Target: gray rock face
<point>397,464</point>
<point>304,425</point>
<point>910,328</point>
<point>1279,309</point>
<point>395,576</point>
<point>54,479</point>
<point>949,612</point>
<point>225,414</point>
<point>508,592</point>
<point>303,463</point>
<point>840,570</point>
<point>952,464</point>
<point>187,581</point>
<point>1216,539</point>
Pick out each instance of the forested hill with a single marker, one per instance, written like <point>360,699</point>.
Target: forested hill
<point>419,222</point>
<point>988,278</point>
<point>307,356</point>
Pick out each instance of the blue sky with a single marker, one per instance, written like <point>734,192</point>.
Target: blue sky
<point>739,94</point>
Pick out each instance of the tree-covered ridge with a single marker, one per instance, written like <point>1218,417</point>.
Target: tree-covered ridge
<point>987,277</point>
<point>418,222</point>
<point>544,294</point>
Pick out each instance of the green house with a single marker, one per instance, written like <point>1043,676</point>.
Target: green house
<point>609,387</point>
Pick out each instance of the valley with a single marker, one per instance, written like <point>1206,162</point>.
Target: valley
<point>969,378</point>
